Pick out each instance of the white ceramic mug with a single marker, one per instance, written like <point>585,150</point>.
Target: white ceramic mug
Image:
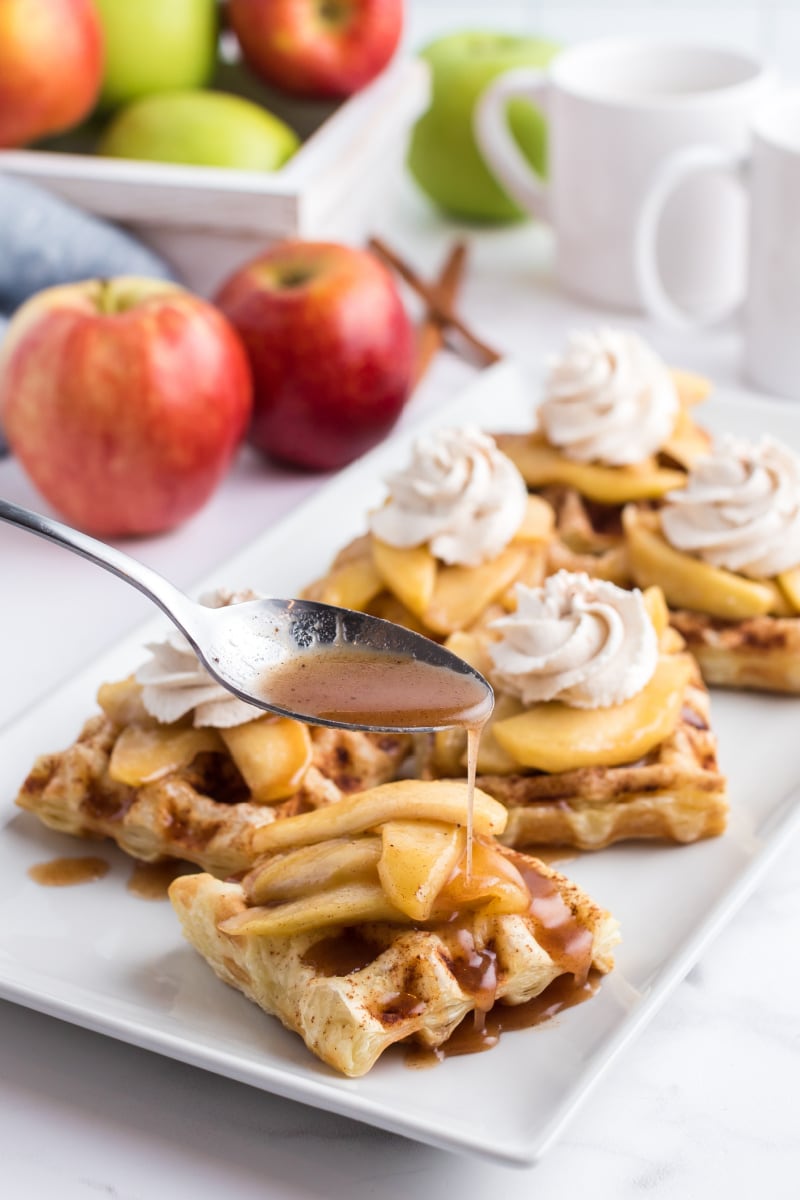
<point>616,110</point>
<point>769,173</point>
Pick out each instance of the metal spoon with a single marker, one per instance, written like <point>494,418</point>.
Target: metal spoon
<point>247,647</point>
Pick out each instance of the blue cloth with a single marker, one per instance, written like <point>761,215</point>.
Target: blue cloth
<point>46,241</point>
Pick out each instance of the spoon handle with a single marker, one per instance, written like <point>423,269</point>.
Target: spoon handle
<point>173,602</point>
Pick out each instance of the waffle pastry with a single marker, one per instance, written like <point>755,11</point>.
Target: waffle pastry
<point>676,793</point>
<point>756,654</point>
<point>354,987</point>
<point>744,633</point>
<point>200,811</point>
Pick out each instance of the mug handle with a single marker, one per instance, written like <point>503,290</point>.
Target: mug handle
<point>497,143</point>
<point>675,171</point>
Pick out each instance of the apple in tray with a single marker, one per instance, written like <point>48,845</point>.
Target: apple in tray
<point>124,400</point>
<point>317,48</point>
<point>51,59</point>
<point>331,348</point>
<point>156,46</point>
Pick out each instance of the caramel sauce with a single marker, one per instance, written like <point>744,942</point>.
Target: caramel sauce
<point>558,930</point>
<point>67,872</point>
<point>378,689</point>
<point>150,881</point>
<point>340,954</point>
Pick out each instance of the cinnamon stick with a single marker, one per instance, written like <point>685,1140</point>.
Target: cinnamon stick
<point>430,336</point>
<point>432,297</point>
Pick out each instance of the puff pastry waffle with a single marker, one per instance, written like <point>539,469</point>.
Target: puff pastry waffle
<point>411,989</point>
<point>676,792</point>
<point>759,653</point>
<point>200,813</point>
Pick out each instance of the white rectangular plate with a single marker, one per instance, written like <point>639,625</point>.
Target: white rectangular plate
<point>100,957</point>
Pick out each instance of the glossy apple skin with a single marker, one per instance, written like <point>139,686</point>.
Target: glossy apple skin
<point>124,420</point>
<point>51,63</point>
<point>331,349</point>
<point>311,49</point>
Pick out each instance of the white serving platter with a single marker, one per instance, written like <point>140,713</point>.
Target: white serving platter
<point>101,958</point>
<point>205,220</point>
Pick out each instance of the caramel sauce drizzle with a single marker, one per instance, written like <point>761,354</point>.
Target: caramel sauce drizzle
<point>67,872</point>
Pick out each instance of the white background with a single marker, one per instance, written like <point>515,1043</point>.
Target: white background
<point>704,1104</point>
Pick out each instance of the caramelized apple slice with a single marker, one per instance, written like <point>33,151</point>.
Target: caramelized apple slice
<point>542,464</point>
<point>418,858</point>
<point>687,442</point>
<point>657,610</point>
<point>533,574</point>
<point>688,582</point>
<point>554,737</point>
<point>298,872</point>
<point>538,522</point>
<point>403,800</point>
<point>495,886</point>
<point>692,388</point>
<point>141,755</point>
<point>352,585</point>
<point>272,754</point>
<point>789,583</point>
<point>409,573</point>
<point>122,703</point>
<point>471,648</point>
<point>387,606</point>
<point>462,593</point>
<point>350,904</point>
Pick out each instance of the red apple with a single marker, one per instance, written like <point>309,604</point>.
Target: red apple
<point>51,66</point>
<point>124,400</point>
<point>331,348</point>
<point>317,47</point>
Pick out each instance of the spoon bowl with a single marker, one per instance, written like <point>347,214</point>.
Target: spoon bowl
<point>298,658</point>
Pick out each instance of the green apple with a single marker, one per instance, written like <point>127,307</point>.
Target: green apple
<point>204,128</point>
<point>443,156</point>
<point>156,46</point>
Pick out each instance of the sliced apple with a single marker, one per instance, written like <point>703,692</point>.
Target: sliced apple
<point>272,754</point>
<point>417,859</point>
<point>494,886</point>
<point>389,608</point>
<point>657,609</point>
<point>692,388</point>
<point>538,522</point>
<point>687,442</point>
<point>541,464</point>
<point>688,582</point>
<point>403,800</point>
<point>350,904</point>
<point>122,703</point>
<point>352,585</point>
<point>141,755</point>
<point>789,583</point>
<point>326,864</point>
<point>553,737</point>
<point>462,593</point>
<point>471,648</point>
<point>409,573</point>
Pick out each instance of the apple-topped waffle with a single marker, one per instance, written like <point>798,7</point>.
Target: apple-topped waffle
<point>458,529</point>
<point>725,550</point>
<point>614,426</point>
<point>600,729</point>
<point>175,766</point>
<point>361,925</point>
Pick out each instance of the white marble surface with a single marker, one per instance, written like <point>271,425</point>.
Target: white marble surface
<point>705,1103</point>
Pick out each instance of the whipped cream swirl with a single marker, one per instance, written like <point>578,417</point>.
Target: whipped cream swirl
<point>460,495</point>
<point>583,641</point>
<point>609,399</point>
<point>174,683</point>
<point>740,509</point>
